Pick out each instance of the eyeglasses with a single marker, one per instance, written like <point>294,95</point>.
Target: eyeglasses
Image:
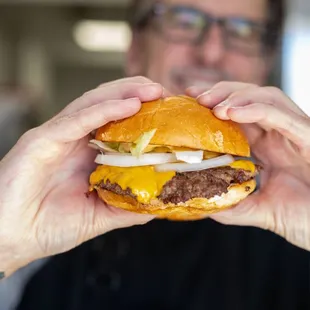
<point>183,24</point>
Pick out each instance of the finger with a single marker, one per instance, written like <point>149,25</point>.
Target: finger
<point>253,133</point>
<point>289,124</point>
<point>268,95</point>
<point>145,92</point>
<point>166,93</point>
<point>79,124</point>
<point>278,98</point>
<point>246,213</point>
<point>263,210</point>
<point>108,218</point>
<point>135,79</point>
<point>195,91</point>
<point>220,92</point>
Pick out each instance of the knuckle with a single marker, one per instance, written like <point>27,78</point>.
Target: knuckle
<point>235,96</point>
<point>81,122</point>
<point>86,94</point>
<point>252,85</point>
<point>34,142</point>
<point>244,94</point>
<point>141,79</point>
<point>221,84</point>
<point>82,118</point>
<point>273,93</point>
<point>235,85</point>
<point>305,151</point>
<point>273,90</point>
<point>105,84</point>
<point>304,131</point>
<point>30,136</point>
<point>102,85</point>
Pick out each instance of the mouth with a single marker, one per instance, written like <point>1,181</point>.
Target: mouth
<point>185,80</point>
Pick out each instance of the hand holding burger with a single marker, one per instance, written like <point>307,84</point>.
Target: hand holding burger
<point>43,179</point>
<point>169,157</point>
<point>279,135</point>
<point>173,159</point>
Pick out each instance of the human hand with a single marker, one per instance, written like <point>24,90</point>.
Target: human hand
<point>44,178</point>
<point>279,136</point>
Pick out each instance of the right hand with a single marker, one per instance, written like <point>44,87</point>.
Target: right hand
<point>278,132</point>
<point>43,179</point>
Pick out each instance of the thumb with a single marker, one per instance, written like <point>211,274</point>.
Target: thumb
<point>246,213</point>
<point>108,218</point>
<point>79,124</point>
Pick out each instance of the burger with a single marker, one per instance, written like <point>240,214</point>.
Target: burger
<point>173,159</point>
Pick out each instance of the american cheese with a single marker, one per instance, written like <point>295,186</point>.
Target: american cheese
<point>243,164</point>
<point>144,182</point>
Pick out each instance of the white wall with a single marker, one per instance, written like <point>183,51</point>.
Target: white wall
<point>296,57</point>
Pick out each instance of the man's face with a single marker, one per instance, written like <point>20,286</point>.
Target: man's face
<point>180,65</point>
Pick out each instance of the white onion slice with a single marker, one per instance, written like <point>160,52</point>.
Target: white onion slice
<point>205,164</point>
<point>101,146</point>
<point>190,157</point>
<point>132,161</point>
<point>118,154</point>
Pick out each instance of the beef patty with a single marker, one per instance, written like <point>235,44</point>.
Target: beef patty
<point>197,184</point>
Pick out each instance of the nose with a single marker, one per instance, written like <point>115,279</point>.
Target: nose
<point>211,49</point>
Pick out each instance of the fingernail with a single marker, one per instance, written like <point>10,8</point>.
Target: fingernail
<point>166,93</point>
<point>205,98</point>
<point>220,112</point>
<point>205,94</point>
<point>223,104</point>
<point>153,89</point>
<point>152,85</point>
<point>193,91</point>
<point>132,99</point>
<point>236,108</point>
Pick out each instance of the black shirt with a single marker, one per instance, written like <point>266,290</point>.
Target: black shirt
<point>171,265</point>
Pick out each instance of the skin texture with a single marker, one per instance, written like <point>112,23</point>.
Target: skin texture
<point>44,209</point>
<point>278,133</point>
<point>178,66</point>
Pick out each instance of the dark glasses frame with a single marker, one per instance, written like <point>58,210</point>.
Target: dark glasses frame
<point>158,10</point>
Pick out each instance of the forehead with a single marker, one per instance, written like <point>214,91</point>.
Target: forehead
<point>256,9</point>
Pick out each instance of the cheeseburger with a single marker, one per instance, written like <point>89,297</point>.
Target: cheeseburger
<point>173,159</point>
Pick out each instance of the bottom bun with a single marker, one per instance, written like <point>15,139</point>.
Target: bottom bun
<point>194,209</point>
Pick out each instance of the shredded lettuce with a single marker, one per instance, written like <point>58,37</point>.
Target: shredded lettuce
<point>103,146</point>
<point>121,148</point>
<point>113,145</point>
<point>139,146</point>
<point>124,147</point>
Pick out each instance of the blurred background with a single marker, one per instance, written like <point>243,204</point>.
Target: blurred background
<point>51,51</point>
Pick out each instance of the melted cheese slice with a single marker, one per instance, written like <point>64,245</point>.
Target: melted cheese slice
<point>144,182</point>
<point>244,164</point>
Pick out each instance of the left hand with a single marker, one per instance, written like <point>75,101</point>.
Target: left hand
<point>43,179</point>
<point>279,135</point>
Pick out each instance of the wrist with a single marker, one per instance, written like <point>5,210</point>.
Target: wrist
<point>10,262</point>
<point>8,265</point>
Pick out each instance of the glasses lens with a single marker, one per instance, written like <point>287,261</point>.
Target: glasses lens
<point>185,24</point>
<point>181,24</point>
<point>243,35</point>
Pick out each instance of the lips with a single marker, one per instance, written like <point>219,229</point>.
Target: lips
<point>185,79</point>
<point>183,83</point>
